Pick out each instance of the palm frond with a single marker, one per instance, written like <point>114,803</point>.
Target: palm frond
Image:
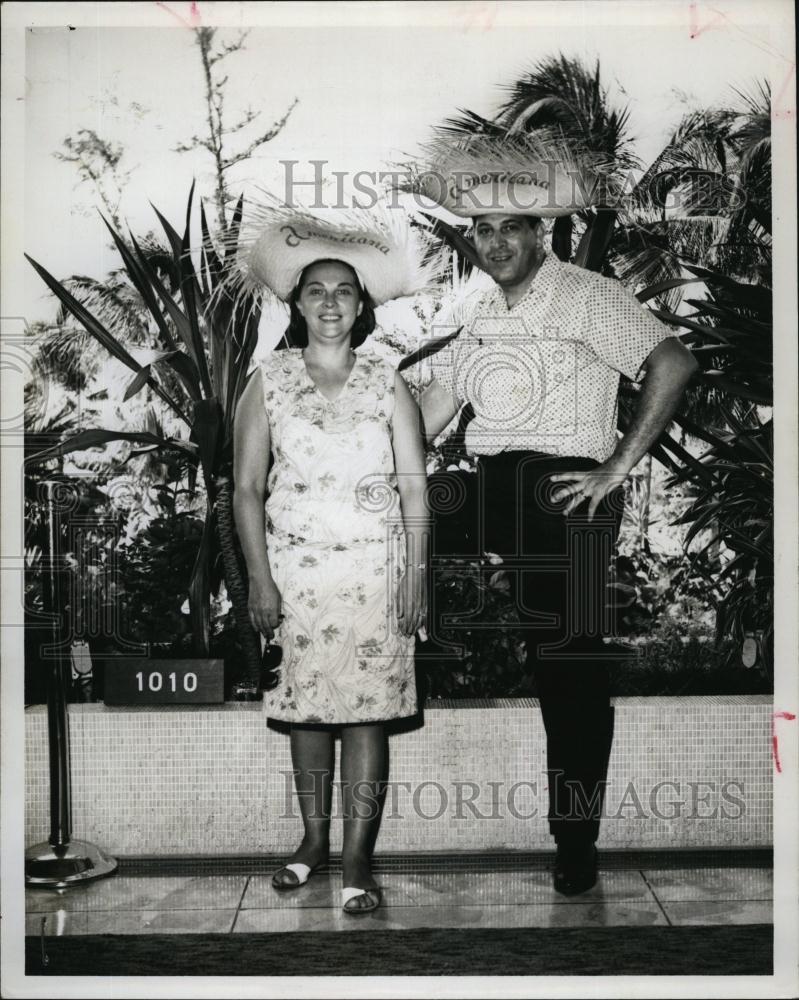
<point>469,123</point>
<point>563,93</point>
<point>113,301</point>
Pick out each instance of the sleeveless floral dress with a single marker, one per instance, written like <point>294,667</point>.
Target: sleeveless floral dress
<point>336,546</point>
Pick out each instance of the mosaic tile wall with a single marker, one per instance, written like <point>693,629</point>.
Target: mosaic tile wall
<point>685,772</point>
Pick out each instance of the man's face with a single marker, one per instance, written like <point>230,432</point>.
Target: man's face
<point>507,246</point>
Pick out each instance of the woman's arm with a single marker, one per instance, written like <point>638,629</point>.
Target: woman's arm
<point>407,437</point>
<point>251,446</point>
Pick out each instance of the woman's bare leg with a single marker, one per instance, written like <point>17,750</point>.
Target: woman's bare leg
<point>364,760</point>
<point>313,761</point>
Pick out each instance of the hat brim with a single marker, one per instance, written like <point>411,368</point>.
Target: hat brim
<point>390,258</point>
<point>282,252</point>
<point>534,175</point>
<point>511,197</point>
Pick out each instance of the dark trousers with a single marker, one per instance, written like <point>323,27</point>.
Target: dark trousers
<point>558,568</point>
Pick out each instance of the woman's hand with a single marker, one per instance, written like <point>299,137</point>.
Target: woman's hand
<point>412,601</point>
<point>264,605</point>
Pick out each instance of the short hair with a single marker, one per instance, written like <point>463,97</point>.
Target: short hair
<point>532,219</point>
<point>296,334</point>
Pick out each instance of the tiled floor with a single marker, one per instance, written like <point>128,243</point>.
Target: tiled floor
<point>125,904</point>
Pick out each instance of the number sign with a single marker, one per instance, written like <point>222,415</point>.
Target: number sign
<point>164,682</point>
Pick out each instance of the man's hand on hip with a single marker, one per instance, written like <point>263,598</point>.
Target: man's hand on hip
<point>591,485</point>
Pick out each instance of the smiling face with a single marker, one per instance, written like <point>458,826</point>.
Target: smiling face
<point>509,247</point>
<point>329,300</point>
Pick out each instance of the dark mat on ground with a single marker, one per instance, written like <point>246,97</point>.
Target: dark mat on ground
<point>595,951</point>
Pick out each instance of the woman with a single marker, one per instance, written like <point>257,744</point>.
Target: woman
<point>337,567</point>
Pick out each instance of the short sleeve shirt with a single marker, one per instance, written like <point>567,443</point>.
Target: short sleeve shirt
<point>544,374</point>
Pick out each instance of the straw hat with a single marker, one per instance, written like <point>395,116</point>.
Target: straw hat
<point>531,174</point>
<point>391,258</point>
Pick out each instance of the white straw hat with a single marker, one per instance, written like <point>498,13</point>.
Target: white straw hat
<point>536,174</point>
<point>390,257</point>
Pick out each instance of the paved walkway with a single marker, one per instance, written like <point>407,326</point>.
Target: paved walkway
<point>133,904</point>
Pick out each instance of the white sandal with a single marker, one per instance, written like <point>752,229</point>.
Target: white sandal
<point>350,892</point>
<point>302,871</point>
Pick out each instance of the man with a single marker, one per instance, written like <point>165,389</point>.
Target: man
<point>539,361</point>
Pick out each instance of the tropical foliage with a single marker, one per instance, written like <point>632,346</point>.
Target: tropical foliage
<point>472,659</point>
<point>205,339</point>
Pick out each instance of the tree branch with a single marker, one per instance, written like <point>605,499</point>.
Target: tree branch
<point>194,142</point>
<point>249,116</point>
<point>261,140</point>
<point>228,48</point>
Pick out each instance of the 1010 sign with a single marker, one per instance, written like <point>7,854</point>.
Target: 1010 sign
<point>164,682</point>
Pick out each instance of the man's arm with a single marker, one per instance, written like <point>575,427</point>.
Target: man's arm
<point>438,407</point>
<point>668,369</point>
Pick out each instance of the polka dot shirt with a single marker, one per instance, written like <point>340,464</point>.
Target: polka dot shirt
<point>544,375</point>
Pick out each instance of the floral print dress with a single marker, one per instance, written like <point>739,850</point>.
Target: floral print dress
<point>336,546</point>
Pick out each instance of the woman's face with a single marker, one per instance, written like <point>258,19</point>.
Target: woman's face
<point>329,301</point>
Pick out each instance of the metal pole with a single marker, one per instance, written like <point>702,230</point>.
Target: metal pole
<point>57,719</point>
<point>62,862</point>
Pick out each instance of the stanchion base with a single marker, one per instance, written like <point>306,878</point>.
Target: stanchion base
<point>47,867</point>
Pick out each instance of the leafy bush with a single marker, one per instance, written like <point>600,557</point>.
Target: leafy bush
<point>665,644</point>
<point>678,658</point>
<point>646,588</point>
<point>206,339</point>
<point>473,660</point>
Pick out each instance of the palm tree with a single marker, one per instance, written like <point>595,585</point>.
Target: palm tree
<point>561,94</point>
<point>705,200</point>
